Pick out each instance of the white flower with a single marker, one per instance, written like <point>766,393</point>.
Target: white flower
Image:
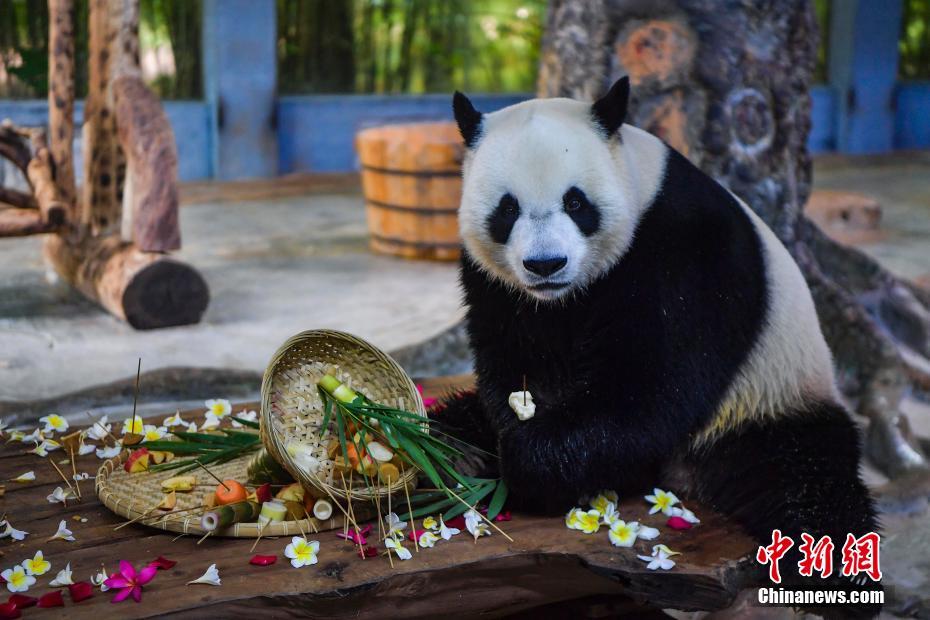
<point>150,432</point>
<point>623,534</point>
<point>17,580</point>
<point>60,495</point>
<point>661,501</point>
<point>429,523</point>
<point>250,416</point>
<point>476,525</point>
<point>133,425</point>
<point>54,423</point>
<point>63,533</point>
<point>83,475</point>
<point>86,448</point>
<point>9,530</point>
<point>211,577</point>
<point>685,514</point>
<point>587,521</point>
<point>108,452</point>
<point>47,445</point>
<point>100,578</point>
<point>394,525</point>
<point>99,430</point>
<point>427,539</point>
<point>210,422</point>
<point>33,437</point>
<point>192,427</point>
<point>219,407</point>
<point>647,533</point>
<point>659,559</point>
<point>610,515</point>
<point>175,420</point>
<point>394,545</point>
<point>447,532</point>
<point>29,476</point>
<point>16,436</point>
<point>37,565</point>
<point>63,578</point>
<point>302,552</point>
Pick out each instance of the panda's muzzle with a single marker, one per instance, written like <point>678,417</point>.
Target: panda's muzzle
<point>545,267</point>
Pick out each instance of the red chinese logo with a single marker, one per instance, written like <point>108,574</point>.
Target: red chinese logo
<point>860,555</point>
<point>817,556</point>
<point>773,553</point>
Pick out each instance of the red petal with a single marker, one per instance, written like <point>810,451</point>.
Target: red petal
<point>677,523</point>
<point>81,591</point>
<point>263,493</point>
<point>163,563</point>
<point>52,599</point>
<point>457,522</point>
<point>22,601</point>
<point>9,611</point>
<point>416,534</point>
<point>503,516</point>
<point>263,560</point>
<point>369,552</point>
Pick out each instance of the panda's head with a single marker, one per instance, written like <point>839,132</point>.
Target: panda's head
<point>550,198</point>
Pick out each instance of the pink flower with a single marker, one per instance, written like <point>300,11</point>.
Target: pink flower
<point>503,516</point>
<point>358,539</point>
<point>129,582</point>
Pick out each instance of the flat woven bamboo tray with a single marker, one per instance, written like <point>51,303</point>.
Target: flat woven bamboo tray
<point>133,495</point>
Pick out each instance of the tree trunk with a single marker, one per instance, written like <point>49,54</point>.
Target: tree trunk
<point>729,89</point>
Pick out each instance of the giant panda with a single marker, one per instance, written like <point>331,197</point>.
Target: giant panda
<point>666,335</point>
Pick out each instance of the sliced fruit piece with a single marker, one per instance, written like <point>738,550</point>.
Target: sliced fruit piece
<point>137,461</point>
<point>230,492</point>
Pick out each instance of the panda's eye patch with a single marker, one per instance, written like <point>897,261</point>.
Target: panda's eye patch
<point>502,219</point>
<point>585,215</point>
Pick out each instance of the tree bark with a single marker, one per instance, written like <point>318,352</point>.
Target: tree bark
<point>61,97</point>
<point>730,90</point>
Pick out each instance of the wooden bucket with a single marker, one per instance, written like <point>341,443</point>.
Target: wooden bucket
<point>412,181</point>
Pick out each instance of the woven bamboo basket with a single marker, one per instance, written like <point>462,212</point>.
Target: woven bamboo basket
<point>291,408</point>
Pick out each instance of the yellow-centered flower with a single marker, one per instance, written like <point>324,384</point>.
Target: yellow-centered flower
<point>38,565</point>
<point>661,501</point>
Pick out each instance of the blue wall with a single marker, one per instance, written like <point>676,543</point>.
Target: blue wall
<point>912,121</point>
<point>317,133</point>
<point>191,121</point>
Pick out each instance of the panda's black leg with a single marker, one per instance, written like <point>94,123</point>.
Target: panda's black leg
<point>797,474</point>
<point>460,419</point>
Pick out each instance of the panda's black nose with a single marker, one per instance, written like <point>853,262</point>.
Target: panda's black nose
<point>544,266</point>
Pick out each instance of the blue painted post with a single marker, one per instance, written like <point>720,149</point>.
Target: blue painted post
<point>863,70</point>
<point>240,62</point>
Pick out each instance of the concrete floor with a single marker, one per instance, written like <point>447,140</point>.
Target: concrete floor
<point>274,267</point>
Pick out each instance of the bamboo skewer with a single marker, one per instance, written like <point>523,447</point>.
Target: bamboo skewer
<point>135,400</point>
<point>390,559</point>
<point>63,477</point>
<point>214,476</point>
<point>139,518</point>
<point>413,522</point>
<point>489,522</point>
<point>352,515</point>
<point>74,476</point>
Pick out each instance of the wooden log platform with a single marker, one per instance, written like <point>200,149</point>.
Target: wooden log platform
<point>546,565</point>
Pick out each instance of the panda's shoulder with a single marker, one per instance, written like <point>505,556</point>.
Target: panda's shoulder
<point>691,210</point>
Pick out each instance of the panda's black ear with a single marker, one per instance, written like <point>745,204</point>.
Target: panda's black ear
<point>467,117</point>
<point>610,110</point>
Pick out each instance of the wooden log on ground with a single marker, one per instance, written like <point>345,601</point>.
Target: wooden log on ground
<point>150,198</point>
<point>16,198</point>
<point>24,222</point>
<point>146,289</point>
<point>14,146</point>
<point>101,201</point>
<point>61,96</point>
<point>44,188</point>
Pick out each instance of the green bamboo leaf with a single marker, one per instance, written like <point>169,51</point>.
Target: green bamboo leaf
<point>247,423</point>
<point>415,453</point>
<point>444,463</point>
<point>470,500</point>
<point>497,500</point>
